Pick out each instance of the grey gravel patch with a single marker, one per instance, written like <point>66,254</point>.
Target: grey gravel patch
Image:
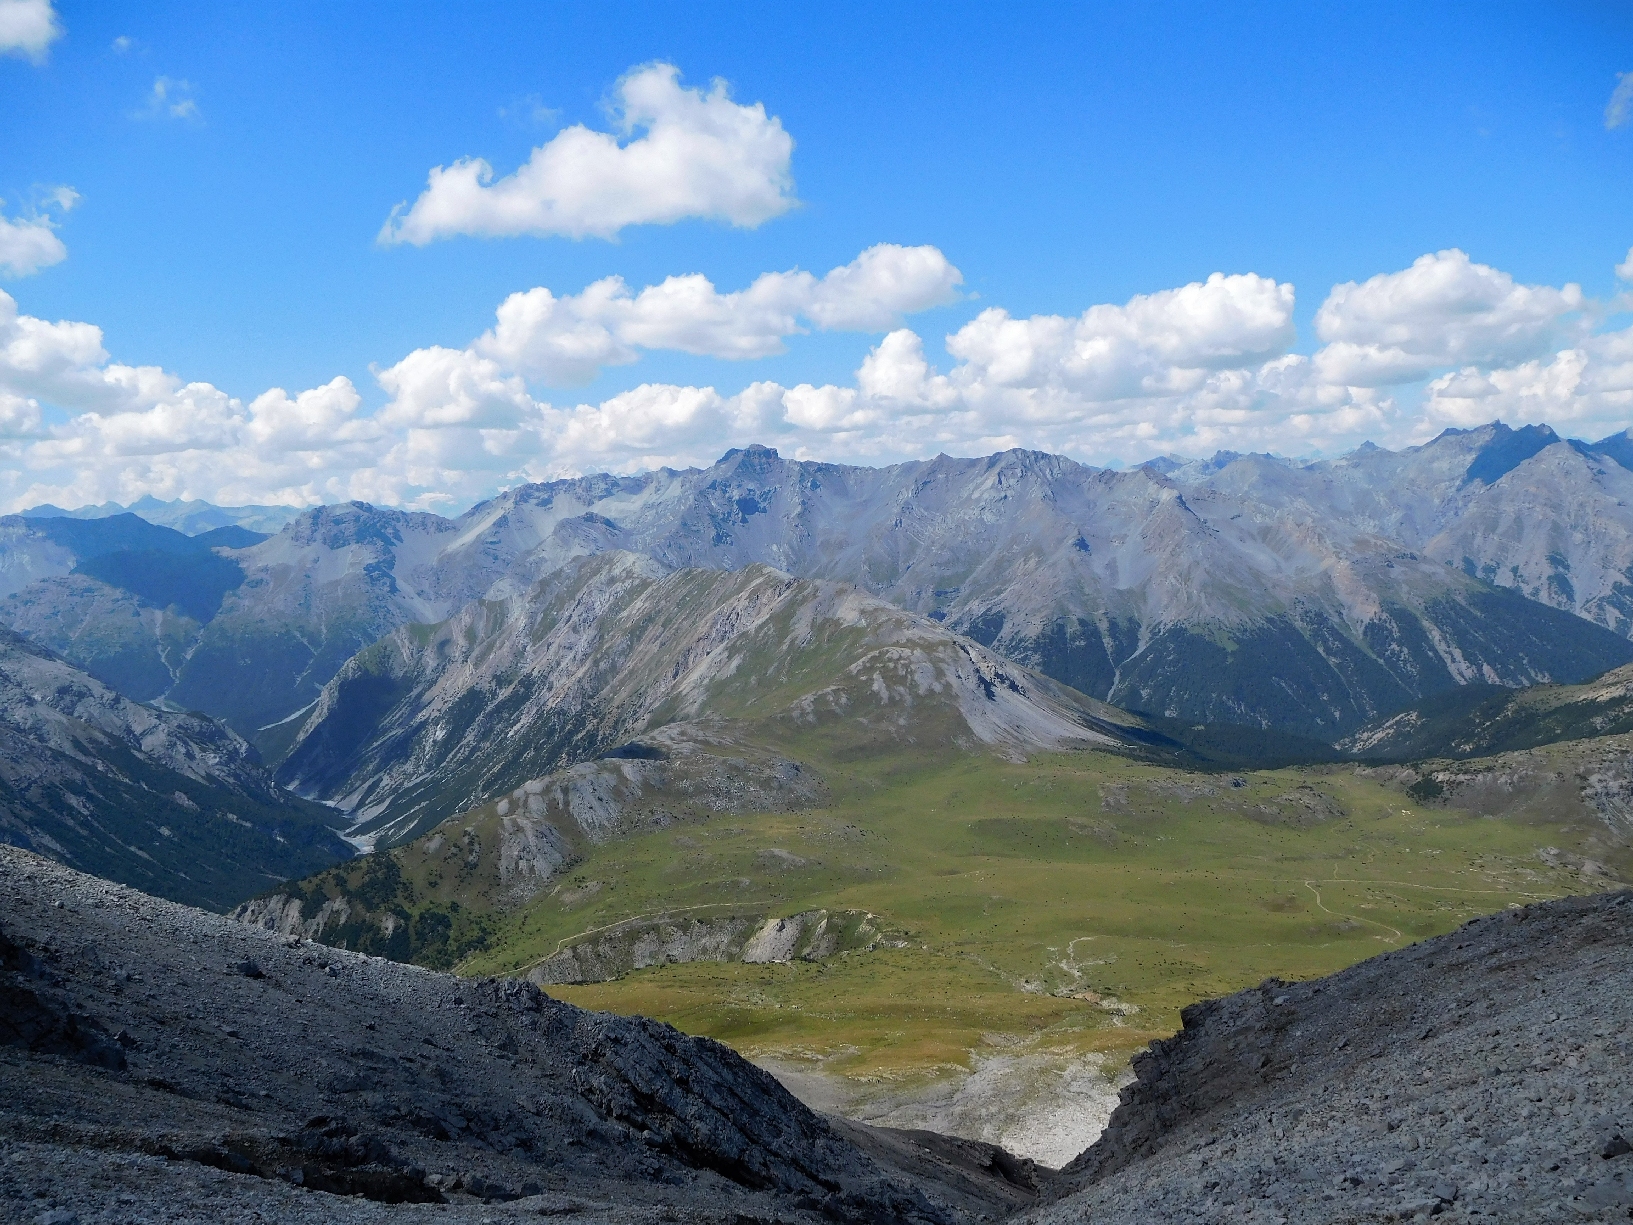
<point>1037,1105</point>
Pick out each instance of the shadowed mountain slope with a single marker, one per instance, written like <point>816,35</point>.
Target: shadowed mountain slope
<point>122,598</point>
<point>174,803</point>
<point>1480,720</point>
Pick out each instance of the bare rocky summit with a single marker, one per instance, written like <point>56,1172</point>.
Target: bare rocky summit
<point>1240,589</point>
<point>163,1063</point>
<point>1484,1075</point>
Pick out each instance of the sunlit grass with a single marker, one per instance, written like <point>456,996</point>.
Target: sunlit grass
<point>1074,902</point>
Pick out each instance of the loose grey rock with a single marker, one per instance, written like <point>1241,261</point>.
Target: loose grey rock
<point>467,1100</point>
<point>1257,1110</point>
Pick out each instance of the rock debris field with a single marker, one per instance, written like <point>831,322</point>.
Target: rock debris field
<point>159,1063</point>
<point>1485,1075</point>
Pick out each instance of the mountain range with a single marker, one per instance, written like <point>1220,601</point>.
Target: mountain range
<point>190,516</point>
<point>1242,590</point>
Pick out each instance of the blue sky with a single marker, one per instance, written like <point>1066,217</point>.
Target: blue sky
<point>233,168</point>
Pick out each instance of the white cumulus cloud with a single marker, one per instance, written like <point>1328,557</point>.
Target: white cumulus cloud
<point>1445,310</point>
<point>677,153</point>
<point>27,245</point>
<point>1203,366</point>
<point>1154,344</point>
<point>28,28</point>
<point>569,339</point>
<point>439,387</point>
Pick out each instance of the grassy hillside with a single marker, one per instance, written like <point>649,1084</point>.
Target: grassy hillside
<point>1072,903</point>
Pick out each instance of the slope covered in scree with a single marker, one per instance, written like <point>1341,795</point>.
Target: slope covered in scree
<point>1482,1075</point>
<point>152,1051</point>
<point>434,719</point>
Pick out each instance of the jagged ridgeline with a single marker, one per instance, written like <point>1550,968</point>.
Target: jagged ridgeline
<point>1244,590</point>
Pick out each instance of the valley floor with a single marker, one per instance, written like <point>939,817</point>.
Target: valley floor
<point>1037,922</point>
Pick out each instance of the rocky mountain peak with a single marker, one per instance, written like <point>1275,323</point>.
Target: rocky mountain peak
<point>352,523</point>
<point>1507,450</point>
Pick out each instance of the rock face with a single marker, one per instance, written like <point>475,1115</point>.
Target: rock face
<point>147,1048</point>
<point>175,803</point>
<point>1482,1075</point>
<point>433,720</point>
<point>812,935</point>
<point>1243,589</point>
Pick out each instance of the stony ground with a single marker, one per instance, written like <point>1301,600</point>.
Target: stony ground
<point>1486,1075</point>
<point>159,1063</point>
<point>163,1064</point>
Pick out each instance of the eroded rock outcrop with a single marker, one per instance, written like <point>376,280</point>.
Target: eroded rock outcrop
<point>812,935</point>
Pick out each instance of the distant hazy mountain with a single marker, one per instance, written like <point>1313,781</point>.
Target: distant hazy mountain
<point>432,720</point>
<point>174,804</point>
<point>119,597</point>
<point>1243,589</point>
<point>190,518</point>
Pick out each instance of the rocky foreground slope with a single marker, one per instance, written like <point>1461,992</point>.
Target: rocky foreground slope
<point>1485,1075</point>
<point>161,1063</point>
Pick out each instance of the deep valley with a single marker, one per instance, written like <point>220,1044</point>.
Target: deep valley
<point>939,791</point>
